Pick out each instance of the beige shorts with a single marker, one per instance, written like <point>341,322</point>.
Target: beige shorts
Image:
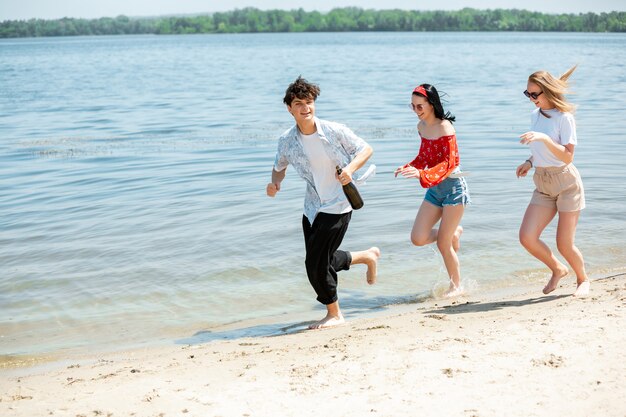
<point>559,187</point>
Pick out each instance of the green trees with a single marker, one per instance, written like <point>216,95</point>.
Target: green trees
<point>251,20</point>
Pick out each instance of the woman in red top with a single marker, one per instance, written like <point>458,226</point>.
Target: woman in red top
<point>437,168</point>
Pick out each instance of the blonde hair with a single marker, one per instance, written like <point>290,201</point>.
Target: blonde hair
<point>554,88</point>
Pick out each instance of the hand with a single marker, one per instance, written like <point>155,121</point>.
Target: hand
<point>272,189</point>
<point>408,171</point>
<point>345,177</point>
<point>531,136</point>
<point>399,170</point>
<point>523,169</point>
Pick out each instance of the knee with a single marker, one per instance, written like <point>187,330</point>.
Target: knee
<point>444,245</point>
<point>527,239</point>
<point>310,264</point>
<point>565,248</point>
<point>418,240</point>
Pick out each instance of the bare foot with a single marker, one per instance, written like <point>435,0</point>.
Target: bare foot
<point>582,289</point>
<point>371,261</point>
<point>328,321</point>
<point>456,239</point>
<point>453,291</point>
<point>554,280</point>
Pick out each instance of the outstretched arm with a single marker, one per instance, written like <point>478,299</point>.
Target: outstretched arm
<point>274,186</point>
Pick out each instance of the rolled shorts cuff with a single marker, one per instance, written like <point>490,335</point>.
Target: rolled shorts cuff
<point>449,192</point>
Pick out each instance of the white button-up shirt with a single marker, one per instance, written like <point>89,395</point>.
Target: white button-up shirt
<point>340,143</point>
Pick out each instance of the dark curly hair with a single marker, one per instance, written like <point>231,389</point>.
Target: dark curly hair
<point>301,89</point>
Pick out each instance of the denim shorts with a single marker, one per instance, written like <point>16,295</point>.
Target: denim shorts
<point>449,192</point>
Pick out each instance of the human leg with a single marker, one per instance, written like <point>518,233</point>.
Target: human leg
<point>322,240</point>
<point>536,218</point>
<point>456,238</point>
<point>423,232</point>
<point>565,238</point>
<point>450,219</point>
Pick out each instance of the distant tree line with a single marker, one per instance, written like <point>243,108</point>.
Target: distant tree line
<point>349,19</point>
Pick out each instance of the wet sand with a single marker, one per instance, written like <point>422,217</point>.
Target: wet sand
<point>521,355</point>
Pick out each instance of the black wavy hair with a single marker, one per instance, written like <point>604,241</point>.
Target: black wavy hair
<point>432,95</point>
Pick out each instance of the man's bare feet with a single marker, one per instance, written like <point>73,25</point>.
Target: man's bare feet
<point>328,321</point>
<point>370,258</point>
<point>371,261</point>
<point>554,280</point>
<point>456,239</point>
<point>582,289</point>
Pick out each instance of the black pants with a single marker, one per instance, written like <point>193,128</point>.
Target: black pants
<point>323,259</point>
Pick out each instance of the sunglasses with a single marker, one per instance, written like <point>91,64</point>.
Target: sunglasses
<point>532,95</point>
<point>416,107</point>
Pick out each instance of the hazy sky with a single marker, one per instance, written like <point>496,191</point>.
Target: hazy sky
<point>54,9</point>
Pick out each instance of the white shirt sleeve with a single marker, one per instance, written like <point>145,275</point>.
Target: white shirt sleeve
<point>567,130</point>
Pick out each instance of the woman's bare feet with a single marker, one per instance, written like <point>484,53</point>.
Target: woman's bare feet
<point>328,321</point>
<point>554,280</point>
<point>582,289</point>
<point>456,239</point>
<point>453,291</point>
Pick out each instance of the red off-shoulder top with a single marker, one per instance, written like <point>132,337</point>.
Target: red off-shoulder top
<point>436,159</point>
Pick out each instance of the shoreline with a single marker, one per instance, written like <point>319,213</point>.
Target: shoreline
<point>277,325</point>
<point>283,324</point>
<point>481,355</point>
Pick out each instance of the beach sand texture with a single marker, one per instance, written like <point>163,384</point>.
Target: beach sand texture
<point>523,355</point>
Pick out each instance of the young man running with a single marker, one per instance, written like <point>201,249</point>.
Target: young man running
<point>315,147</point>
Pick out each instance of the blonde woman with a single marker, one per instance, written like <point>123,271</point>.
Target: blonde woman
<point>559,188</point>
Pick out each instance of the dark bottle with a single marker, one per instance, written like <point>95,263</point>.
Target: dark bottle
<point>352,194</point>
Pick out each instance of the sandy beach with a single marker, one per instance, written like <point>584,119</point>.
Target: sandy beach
<point>520,355</point>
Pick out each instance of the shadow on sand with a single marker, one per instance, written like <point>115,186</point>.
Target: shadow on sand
<point>352,306</point>
<point>478,307</point>
<point>262,330</point>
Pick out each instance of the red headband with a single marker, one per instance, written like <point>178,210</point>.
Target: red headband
<point>420,90</point>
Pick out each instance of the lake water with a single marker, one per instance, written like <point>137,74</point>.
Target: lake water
<point>133,173</point>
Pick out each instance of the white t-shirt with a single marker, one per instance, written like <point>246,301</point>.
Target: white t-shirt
<point>560,127</point>
<point>323,169</point>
